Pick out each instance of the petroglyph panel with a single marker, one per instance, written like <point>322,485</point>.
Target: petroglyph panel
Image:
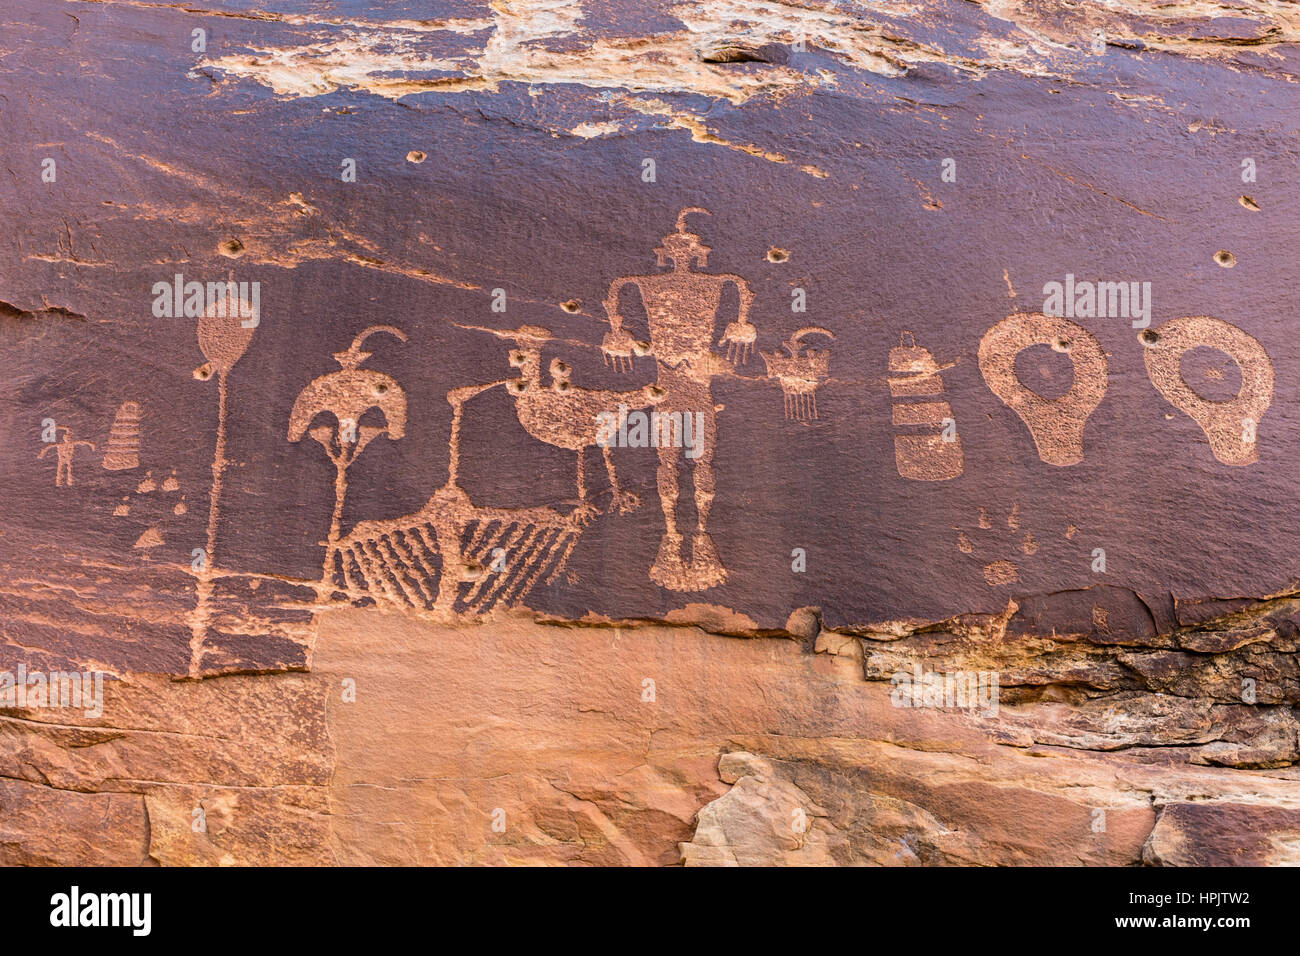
<point>581,354</point>
<point>123,450</point>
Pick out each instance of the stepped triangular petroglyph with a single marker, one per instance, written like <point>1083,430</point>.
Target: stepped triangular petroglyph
<point>123,452</point>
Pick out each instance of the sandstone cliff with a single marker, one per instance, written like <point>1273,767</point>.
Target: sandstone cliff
<point>804,433</point>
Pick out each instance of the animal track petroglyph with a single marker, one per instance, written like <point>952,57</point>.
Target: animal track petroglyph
<point>999,572</point>
<point>147,488</point>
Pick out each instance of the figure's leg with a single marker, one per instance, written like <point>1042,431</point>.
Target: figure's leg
<point>706,567</point>
<point>705,485</point>
<point>624,501</point>
<point>667,481</point>
<point>667,571</point>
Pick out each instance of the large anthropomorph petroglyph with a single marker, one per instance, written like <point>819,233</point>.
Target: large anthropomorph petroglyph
<point>682,308</point>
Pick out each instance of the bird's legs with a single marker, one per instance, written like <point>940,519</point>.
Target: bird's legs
<point>585,511</point>
<point>624,501</point>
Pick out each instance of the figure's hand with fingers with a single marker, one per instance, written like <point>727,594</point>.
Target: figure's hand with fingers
<point>739,339</point>
<point>618,348</point>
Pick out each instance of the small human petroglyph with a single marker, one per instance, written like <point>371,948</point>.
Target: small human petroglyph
<point>1056,424</point>
<point>123,451</point>
<point>931,450</point>
<point>999,572</point>
<point>1230,426</point>
<point>567,416</point>
<point>682,310</point>
<point>66,450</point>
<point>800,372</point>
<point>347,394</point>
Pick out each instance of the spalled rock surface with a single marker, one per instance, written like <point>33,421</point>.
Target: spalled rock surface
<point>324,327</point>
<point>231,770</point>
<point>48,827</point>
<point>525,743</point>
<point>562,742</point>
<point>763,820</point>
<point>1213,834</point>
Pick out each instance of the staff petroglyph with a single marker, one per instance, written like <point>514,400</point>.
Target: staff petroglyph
<point>223,338</point>
<point>123,452</point>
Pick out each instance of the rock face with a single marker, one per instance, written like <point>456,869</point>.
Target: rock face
<point>618,433</point>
